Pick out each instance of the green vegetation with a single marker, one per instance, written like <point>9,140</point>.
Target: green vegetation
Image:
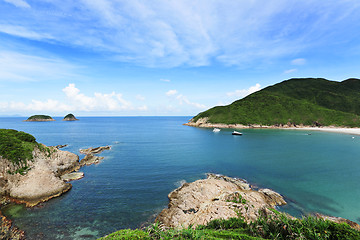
<point>266,227</point>
<point>297,101</point>
<point>17,147</point>
<point>70,116</point>
<point>39,118</point>
<point>238,199</point>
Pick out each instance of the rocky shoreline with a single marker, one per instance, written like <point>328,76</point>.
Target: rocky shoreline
<point>48,177</point>
<point>222,197</point>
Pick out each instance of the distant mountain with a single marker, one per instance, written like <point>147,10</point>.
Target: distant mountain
<point>307,101</point>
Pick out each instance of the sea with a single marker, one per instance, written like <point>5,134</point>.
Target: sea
<point>151,156</point>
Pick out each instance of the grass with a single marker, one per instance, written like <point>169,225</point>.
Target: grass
<point>266,226</point>
<point>295,101</point>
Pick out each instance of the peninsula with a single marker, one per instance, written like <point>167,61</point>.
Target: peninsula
<point>39,118</point>
<point>300,102</point>
<point>31,173</point>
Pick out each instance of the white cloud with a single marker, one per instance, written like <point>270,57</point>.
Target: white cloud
<point>183,100</point>
<point>99,102</point>
<point>244,92</point>
<point>290,71</point>
<point>18,3</point>
<point>171,92</point>
<point>75,101</point>
<point>298,61</point>
<point>165,80</point>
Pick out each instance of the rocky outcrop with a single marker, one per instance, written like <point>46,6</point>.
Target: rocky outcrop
<point>72,176</point>
<point>96,150</point>
<point>42,181</point>
<point>339,220</point>
<point>217,197</point>
<point>90,158</point>
<point>70,117</point>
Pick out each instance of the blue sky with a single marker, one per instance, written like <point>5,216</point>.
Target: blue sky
<point>163,57</point>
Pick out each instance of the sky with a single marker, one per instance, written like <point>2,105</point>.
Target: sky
<point>166,57</point>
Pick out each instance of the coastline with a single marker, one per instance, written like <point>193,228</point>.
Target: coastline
<point>202,123</point>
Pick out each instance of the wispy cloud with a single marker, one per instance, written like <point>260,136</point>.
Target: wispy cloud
<point>290,71</point>
<point>165,80</point>
<point>18,3</point>
<point>298,61</point>
<point>176,33</point>
<point>140,97</point>
<point>21,67</point>
<point>21,31</point>
<point>171,92</point>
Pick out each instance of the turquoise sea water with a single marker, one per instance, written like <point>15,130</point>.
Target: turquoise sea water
<point>152,156</point>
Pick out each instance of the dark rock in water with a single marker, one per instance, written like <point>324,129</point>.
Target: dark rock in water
<point>70,117</point>
<point>39,118</point>
<point>61,146</point>
<point>96,150</point>
<point>90,159</point>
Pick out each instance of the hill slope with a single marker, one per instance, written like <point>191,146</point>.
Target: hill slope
<point>299,101</point>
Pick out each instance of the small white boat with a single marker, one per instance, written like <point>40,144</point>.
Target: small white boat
<point>216,130</point>
<point>236,133</point>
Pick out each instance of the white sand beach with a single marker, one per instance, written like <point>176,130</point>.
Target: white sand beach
<point>352,131</point>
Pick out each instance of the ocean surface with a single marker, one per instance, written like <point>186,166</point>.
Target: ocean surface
<point>151,156</point>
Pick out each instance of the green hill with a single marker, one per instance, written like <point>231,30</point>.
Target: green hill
<point>39,118</point>
<point>298,101</point>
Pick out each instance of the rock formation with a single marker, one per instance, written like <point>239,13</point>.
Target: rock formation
<point>42,181</point>
<point>40,118</point>
<point>70,117</point>
<point>217,197</point>
<point>90,158</point>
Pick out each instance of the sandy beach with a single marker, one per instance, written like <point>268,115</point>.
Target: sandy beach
<point>352,131</point>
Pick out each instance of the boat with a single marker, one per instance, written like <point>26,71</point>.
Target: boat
<point>216,130</point>
<point>236,133</point>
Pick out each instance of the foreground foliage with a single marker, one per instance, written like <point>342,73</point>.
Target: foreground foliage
<point>296,101</point>
<point>280,226</point>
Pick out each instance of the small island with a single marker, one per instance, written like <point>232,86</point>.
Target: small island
<point>40,118</point>
<point>70,117</point>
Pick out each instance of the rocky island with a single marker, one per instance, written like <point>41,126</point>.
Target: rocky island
<point>70,117</point>
<point>39,118</point>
